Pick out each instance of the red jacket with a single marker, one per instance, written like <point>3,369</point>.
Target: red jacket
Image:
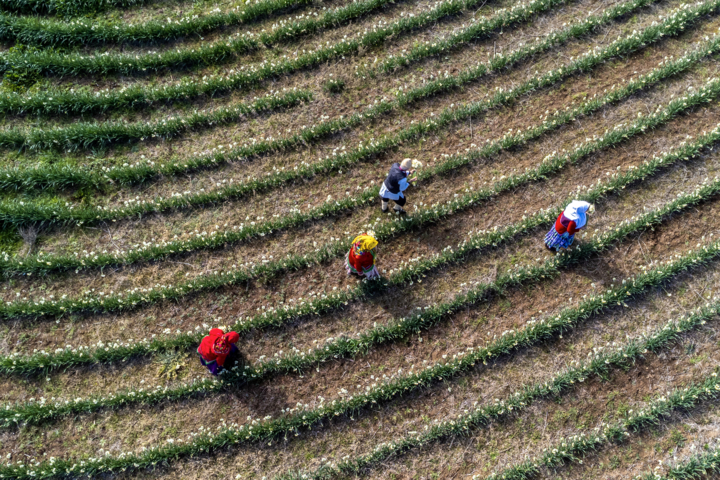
<point>363,262</point>
<point>564,224</point>
<point>205,349</point>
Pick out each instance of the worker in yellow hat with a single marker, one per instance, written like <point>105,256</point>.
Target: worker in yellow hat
<point>360,260</point>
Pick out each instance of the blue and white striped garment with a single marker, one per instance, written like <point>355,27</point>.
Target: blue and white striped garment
<point>553,239</point>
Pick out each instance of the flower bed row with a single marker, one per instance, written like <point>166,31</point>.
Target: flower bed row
<point>133,298</point>
<point>87,135</point>
<point>394,330</point>
<point>600,364</point>
<point>463,362</point>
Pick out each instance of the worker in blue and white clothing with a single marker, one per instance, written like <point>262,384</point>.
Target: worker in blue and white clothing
<point>397,181</point>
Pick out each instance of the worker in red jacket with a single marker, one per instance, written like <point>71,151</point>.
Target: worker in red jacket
<point>572,219</point>
<point>215,349</point>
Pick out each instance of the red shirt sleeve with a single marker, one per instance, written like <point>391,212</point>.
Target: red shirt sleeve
<point>559,227</point>
<point>205,349</point>
<point>572,227</point>
<point>220,359</point>
<point>367,260</point>
<point>206,344</point>
<point>362,262</point>
<point>216,332</point>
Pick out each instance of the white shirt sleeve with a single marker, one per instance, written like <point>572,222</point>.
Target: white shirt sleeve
<point>403,184</point>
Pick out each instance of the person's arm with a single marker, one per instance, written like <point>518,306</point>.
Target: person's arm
<point>367,261</point>
<point>372,273</point>
<point>559,227</point>
<point>572,227</point>
<point>221,359</point>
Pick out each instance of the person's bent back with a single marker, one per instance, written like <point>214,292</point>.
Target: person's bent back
<point>395,184</point>
<point>216,348</point>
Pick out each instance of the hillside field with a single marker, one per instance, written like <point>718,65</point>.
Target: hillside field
<point>170,166</point>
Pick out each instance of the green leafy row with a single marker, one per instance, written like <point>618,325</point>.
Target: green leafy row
<point>548,328</point>
<point>394,330</point>
<point>86,135</point>
<point>601,364</point>
<point>697,466</point>
<point>59,176</point>
<point>32,30</point>
<point>135,297</point>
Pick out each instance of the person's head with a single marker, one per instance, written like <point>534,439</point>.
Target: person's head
<point>366,241</point>
<point>406,164</point>
<point>223,344</point>
<point>577,211</point>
